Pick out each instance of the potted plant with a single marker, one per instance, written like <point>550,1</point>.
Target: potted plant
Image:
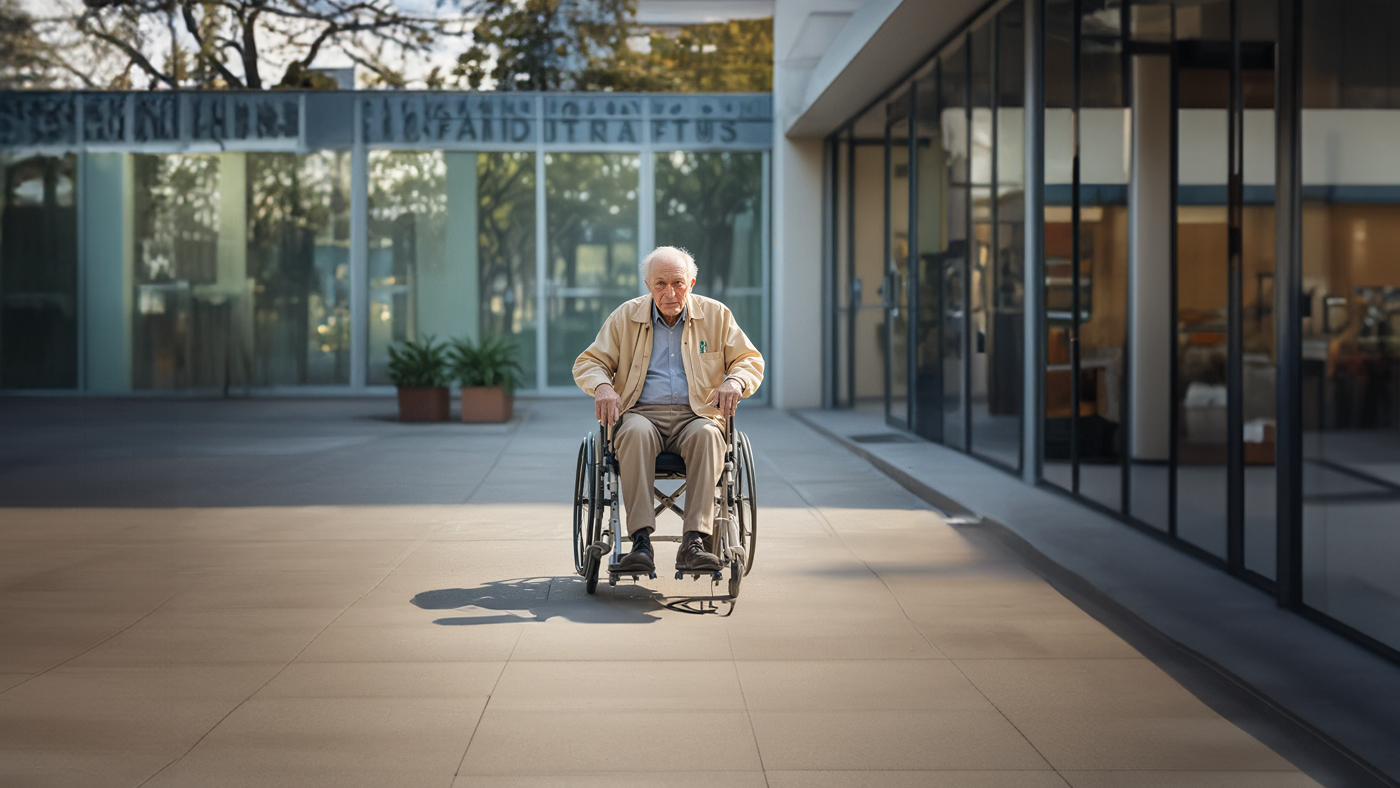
<point>488,373</point>
<point>419,369</point>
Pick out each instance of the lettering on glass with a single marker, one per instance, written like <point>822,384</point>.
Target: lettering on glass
<point>104,117</point>
<point>244,117</point>
<point>37,119</point>
<point>157,117</point>
<point>414,119</point>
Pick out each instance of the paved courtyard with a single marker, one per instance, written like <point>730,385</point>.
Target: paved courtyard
<point>305,593</point>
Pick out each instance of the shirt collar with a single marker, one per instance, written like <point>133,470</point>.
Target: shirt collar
<point>656,317</point>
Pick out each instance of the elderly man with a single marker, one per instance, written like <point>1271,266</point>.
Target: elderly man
<point>671,365</point>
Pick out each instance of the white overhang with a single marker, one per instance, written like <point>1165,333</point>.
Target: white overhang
<point>883,41</point>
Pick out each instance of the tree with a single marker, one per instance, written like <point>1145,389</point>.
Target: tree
<point>545,44</point>
<point>25,60</point>
<point>594,45</point>
<point>255,44</point>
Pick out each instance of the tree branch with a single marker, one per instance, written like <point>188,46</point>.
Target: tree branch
<point>128,50</point>
<point>193,27</point>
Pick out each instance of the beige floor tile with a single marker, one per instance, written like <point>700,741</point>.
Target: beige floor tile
<point>90,768</point>
<point>154,645</point>
<point>997,636</point>
<point>425,642</point>
<point>518,742</point>
<point>907,740</point>
<point>581,686</point>
<point>384,680</point>
<point>857,684</point>
<point>828,640</point>
<point>1114,714</point>
<point>615,780</point>
<point>9,680</point>
<point>331,742</point>
<point>907,779</point>
<point>1188,779</point>
<point>674,637</point>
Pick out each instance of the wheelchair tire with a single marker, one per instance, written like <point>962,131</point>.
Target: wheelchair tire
<point>590,572</point>
<point>583,503</point>
<point>746,501</point>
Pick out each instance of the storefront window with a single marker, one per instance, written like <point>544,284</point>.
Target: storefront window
<point>505,232</point>
<point>591,209</point>
<point>298,261</point>
<point>711,205</point>
<point>38,273</point>
<point>1351,318</point>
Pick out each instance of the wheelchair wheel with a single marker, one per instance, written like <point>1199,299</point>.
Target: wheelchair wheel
<point>584,505</point>
<point>591,562</point>
<point>746,503</point>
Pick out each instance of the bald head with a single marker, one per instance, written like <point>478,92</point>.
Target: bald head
<point>670,254</point>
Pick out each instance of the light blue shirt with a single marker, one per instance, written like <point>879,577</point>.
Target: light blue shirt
<point>665,383</point>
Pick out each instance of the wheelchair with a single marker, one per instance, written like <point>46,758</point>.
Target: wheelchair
<point>598,529</point>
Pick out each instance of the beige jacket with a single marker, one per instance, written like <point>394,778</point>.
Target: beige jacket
<point>622,352</point>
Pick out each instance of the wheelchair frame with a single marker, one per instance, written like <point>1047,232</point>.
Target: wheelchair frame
<point>598,529</point>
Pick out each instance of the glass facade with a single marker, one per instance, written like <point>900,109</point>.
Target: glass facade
<point>1167,357</point>
<point>291,253</point>
<point>39,273</point>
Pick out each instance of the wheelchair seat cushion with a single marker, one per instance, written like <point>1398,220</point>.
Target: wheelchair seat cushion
<point>668,462</point>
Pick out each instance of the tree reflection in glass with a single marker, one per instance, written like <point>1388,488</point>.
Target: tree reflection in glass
<point>591,205</point>
<point>710,204</point>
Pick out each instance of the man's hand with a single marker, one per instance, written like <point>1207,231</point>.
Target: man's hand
<point>727,396</point>
<point>607,405</point>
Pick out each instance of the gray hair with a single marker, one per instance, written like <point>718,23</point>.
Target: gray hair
<point>669,253</point>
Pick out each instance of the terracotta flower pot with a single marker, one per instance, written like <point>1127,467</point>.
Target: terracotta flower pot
<point>486,404</point>
<point>430,404</point>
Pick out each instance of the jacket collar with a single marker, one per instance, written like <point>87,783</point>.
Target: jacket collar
<point>641,309</point>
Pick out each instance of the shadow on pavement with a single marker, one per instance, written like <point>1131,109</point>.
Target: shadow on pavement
<point>542,598</point>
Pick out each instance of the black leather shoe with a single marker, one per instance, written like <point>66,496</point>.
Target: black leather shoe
<point>692,556</point>
<point>641,559</point>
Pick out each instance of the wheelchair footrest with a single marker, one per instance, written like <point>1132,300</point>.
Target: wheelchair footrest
<point>716,575</point>
<point>632,573</point>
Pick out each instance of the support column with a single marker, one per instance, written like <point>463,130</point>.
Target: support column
<point>1288,288</point>
<point>449,286</point>
<point>107,276</point>
<point>1149,261</point>
<point>231,265</point>
<point>359,256</point>
<point>1033,403</point>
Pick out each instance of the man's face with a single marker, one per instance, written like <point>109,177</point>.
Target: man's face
<point>669,286</point>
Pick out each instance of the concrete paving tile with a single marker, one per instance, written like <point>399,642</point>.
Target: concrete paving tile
<point>8,680</point>
<point>522,742</point>
<point>420,643</point>
<point>1188,779</point>
<point>88,767</point>
<point>585,686</point>
<point>992,636</point>
<point>857,684</point>
<point>679,637</point>
<point>147,645</point>
<point>806,640</point>
<point>331,742</point>
<point>615,780</point>
<point>908,779</point>
<point>1114,714</point>
<point>901,740</point>
<point>384,680</point>
<point>132,724</point>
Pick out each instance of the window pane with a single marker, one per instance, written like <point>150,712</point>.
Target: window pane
<point>506,245</point>
<point>591,205</point>
<point>299,262</point>
<point>999,437</point>
<point>711,205</point>
<point>1059,238</point>
<point>38,274</point>
<point>1351,323</point>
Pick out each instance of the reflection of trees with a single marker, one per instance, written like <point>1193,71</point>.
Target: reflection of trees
<point>294,201</point>
<point>176,217</point>
<point>592,200</point>
<point>699,197</point>
<point>506,239</point>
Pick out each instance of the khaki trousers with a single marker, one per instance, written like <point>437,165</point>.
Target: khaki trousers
<point>648,430</point>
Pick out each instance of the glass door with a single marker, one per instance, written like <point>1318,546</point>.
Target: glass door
<point>897,287</point>
<point>591,268</point>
